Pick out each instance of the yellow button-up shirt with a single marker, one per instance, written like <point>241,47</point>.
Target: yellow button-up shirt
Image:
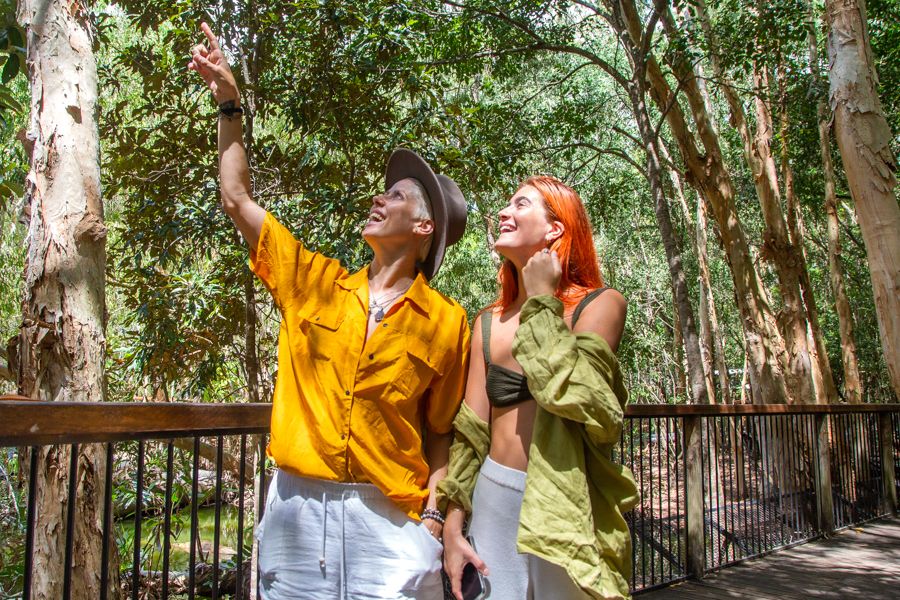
<point>346,409</point>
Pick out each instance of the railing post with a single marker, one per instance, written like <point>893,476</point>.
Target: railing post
<point>693,484</point>
<point>824,500</point>
<point>888,474</point>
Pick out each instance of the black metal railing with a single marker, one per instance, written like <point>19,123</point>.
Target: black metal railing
<point>654,450</point>
<point>722,484</point>
<point>175,490</point>
<point>159,497</point>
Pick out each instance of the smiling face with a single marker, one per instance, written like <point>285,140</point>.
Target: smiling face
<point>525,226</point>
<point>397,216</point>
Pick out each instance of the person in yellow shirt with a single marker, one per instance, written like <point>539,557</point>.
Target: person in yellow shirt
<point>371,371</point>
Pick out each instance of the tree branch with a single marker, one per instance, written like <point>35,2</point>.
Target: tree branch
<point>542,44</point>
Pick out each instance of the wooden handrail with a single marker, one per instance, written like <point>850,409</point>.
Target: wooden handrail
<point>717,410</point>
<point>16,398</point>
<point>29,422</point>
<point>40,423</point>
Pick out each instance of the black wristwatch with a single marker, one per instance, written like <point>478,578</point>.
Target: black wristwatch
<point>229,109</point>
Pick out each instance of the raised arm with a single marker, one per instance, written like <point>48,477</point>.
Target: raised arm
<point>234,171</point>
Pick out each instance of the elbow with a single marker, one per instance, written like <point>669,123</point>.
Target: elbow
<point>233,200</point>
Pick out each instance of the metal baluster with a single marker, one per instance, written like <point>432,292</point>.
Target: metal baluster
<point>138,509</point>
<point>216,532</point>
<point>107,522</point>
<point>195,485</point>
<point>70,522</point>
<point>167,517</point>
<point>239,575</point>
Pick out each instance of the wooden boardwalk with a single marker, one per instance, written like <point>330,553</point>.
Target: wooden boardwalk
<point>860,563</point>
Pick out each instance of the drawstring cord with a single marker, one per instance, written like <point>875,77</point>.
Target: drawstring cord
<point>343,540</point>
<point>343,550</point>
<point>324,532</point>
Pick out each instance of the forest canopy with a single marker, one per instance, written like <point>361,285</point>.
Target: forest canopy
<point>691,131</point>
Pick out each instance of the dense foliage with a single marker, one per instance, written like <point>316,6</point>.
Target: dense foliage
<point>489,92</point>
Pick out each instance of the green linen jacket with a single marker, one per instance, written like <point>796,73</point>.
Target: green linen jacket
<point>575,495</point>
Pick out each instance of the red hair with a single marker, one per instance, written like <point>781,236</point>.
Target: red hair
<point>575,247</point>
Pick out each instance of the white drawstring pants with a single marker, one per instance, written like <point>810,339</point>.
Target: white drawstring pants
<point>496,505</point>
<point>322,540</point>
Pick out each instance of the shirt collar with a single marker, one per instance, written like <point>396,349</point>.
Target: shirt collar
<point>419,292</point>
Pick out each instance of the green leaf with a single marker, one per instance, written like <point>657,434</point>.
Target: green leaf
<point>11,69</point>
<point>7,100</point>
<point>16,36</point>
<point>14,189</point>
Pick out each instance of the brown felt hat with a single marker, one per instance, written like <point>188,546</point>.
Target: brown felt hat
<point>447,203</point>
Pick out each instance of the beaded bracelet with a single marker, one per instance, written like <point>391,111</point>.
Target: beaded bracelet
<point>433,514</point>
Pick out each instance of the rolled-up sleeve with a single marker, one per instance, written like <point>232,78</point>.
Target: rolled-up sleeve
<point>471,443</point>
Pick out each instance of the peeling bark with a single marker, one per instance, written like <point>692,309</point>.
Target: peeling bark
<point>707,173</point>
<point>823,379</point>
<point>863,136</point>
<point>62,344</point>
<point>685,313</point>
<point>777,246</point>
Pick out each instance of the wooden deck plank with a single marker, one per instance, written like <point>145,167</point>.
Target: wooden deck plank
<point>861,562</point>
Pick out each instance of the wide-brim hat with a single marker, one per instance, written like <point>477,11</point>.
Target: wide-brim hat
<point>448,206</point>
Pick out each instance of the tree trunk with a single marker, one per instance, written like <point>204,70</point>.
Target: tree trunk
<point>62,342</point>
<point>853,390</point>
<point>678,354</point>
<point>823,378</point>
<point>706,329</point>
<point>685,313</point>
<point>708,315</point>
<point>706,172</point>
<point>709,300</point>
<point>864,137</point>
<point>777,247</point>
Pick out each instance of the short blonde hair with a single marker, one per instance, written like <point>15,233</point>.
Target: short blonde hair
<point>423,211</point>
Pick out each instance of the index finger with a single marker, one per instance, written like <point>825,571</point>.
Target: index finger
<point>213,42</point>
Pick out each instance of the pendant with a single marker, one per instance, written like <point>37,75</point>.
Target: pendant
<point>379,315</point>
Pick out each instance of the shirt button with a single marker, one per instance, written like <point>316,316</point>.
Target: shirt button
<point>346,392</point>
<point>371,356</point>
<point>343,436</point>
<point>384,324</point>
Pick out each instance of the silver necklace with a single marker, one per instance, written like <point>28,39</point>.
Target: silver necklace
<point>382,305</point>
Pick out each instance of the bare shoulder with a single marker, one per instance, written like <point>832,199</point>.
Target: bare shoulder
<point>612,300</point>
<point>605,315</point>
<point>476,325</point>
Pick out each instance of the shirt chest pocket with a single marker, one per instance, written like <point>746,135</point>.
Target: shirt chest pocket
<point>421,364</point>
<point>319,325</point>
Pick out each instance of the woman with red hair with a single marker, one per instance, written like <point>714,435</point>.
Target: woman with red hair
<point>531,464</point>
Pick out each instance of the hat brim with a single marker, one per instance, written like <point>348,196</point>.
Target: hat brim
<point>405,164</point>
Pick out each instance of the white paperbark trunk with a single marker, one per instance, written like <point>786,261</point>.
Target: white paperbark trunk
<point>62,344</point>
<point>864,137</point>
<point>707,173</point>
